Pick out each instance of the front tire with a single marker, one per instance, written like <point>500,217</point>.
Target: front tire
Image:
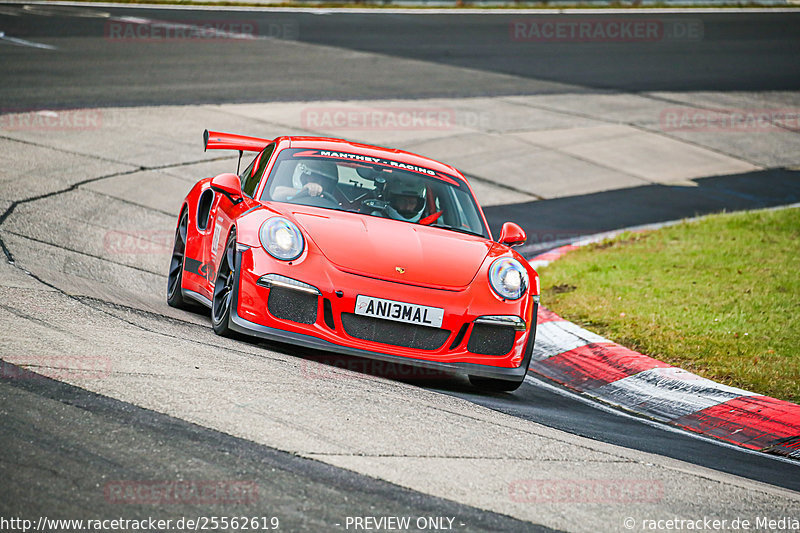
<point>175,276</point>
<point>495,385</point>
<point>222,301</point>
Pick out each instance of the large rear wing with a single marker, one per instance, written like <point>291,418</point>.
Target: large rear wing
<point>214,140</point>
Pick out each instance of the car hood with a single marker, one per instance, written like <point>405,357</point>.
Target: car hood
<point>393,250</point>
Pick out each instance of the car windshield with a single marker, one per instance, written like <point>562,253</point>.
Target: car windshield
<point>375,187</point>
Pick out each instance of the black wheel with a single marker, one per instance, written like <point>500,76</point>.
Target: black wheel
<point>223,289</point>
<point>495,385</point>
<point>174,296</point>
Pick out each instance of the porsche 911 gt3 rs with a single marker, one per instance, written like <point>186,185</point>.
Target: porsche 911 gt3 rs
<point>357,250</point>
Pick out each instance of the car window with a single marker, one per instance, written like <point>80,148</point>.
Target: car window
<point>251,176</point>
<point>374,187</point>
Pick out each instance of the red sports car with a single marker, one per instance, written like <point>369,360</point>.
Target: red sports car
<point>359,250</point>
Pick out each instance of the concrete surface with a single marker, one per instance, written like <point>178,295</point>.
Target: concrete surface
<point>129,447</point>
<point>104,303</point>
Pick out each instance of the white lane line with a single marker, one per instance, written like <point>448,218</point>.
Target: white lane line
<point>591,402</point>
<point>54,10</point>
<point>482,11</point>
<point>556,337</point>
<point>23,42</point>
<point>133,20</point>
<point>666,393</point>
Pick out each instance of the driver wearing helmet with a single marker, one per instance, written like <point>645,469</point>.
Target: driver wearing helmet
<point>406,199</point>
<point>310,178</point>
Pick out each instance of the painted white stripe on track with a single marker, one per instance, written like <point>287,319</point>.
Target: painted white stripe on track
<point>479,12</point>
<point>23,42</point>
<point>553,338</point>
<point>538,263</point>
<point>666,393</point>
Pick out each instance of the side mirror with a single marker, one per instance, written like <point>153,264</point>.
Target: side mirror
<point>229,186</point>
<point>512,235</point>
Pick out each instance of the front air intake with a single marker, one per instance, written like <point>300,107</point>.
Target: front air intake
<point>490,339</point>
<point>290,304</point>
<point>394,333</point>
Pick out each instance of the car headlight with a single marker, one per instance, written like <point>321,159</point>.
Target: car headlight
<point>281,239</point>
<point>508,278</point>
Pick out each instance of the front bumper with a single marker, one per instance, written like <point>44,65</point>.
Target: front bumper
<point>336,296</point>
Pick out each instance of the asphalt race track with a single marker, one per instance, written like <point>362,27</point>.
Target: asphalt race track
<point>462,55</point>
<point>566,138</point>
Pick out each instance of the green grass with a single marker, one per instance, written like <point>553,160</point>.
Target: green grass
<point>719,296</point>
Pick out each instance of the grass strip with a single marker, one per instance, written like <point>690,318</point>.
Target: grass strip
<point>718,296</point>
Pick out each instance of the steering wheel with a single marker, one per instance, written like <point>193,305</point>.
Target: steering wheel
<point>326,195</point>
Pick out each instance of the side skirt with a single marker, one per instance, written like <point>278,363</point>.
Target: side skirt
<point>196,296</point>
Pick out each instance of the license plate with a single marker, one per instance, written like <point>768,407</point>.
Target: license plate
<point>421,315</point>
